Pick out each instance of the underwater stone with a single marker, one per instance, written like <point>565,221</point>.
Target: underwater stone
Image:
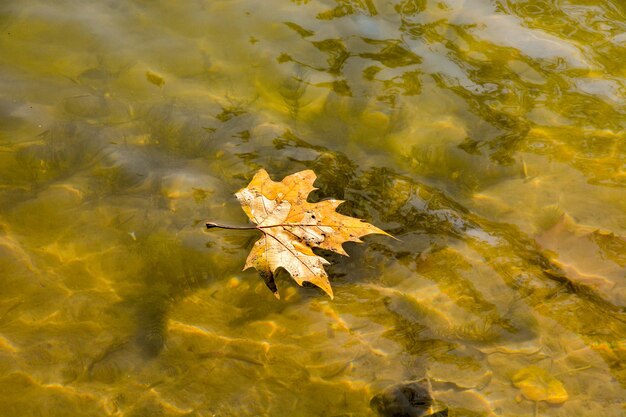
<point>403,400</point>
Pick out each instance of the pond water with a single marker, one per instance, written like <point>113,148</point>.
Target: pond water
<point>488,136</point>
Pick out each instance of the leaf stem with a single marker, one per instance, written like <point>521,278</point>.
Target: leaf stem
<point>210,225</point>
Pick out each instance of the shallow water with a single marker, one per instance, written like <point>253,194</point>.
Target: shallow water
<point>488,136</point>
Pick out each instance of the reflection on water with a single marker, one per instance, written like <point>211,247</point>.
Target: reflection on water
<point>489,136</point>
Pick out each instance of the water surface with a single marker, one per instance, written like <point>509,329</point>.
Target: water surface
<point>489,136</point>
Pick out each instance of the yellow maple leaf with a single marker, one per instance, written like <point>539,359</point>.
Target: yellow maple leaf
<point>291,227</point>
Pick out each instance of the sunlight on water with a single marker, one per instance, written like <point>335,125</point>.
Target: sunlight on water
<point>489,136</point>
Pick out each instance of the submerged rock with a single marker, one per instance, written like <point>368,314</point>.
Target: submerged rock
<point>403,400</point>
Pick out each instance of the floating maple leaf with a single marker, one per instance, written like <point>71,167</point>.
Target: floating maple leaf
<point>292,226</point>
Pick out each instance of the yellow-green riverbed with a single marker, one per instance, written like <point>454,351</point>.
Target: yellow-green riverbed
<point>488,136</point>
